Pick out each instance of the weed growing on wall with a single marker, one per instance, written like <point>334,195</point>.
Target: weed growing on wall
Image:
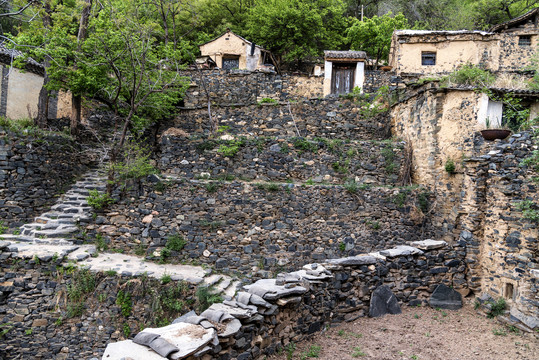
<point>450,166</point>
<point>98,200</point>
<point>3,228</point>
<point>123,300</point>
<point>206,297</point>
<point>470,75</point>
<point>175,242</point>
<point>529,210</point>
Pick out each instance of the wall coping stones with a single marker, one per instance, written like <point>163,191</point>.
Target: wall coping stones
<point>354,260</point>
<point>429,244</point>
<point>401,250</point>
<point>269,290</point>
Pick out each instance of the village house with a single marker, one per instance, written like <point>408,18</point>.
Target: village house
<point>231,51</point>
<point>19,89</point>
<point>508,47</point>
<point>343,70</point>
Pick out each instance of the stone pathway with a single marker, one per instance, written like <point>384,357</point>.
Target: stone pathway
<point>51,235</point>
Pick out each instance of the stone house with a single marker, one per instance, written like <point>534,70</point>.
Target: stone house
<point>508,47</point>
<point>343,70</point>
<point>231,51</point>
<point>477,204</point>
<point>19,89</point>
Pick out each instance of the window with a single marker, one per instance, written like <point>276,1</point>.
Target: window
<point>428,58</point>
<point>525,40</point>
<point>231,63</point>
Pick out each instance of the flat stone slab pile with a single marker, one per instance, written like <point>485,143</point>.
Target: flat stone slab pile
<point>50,235</point>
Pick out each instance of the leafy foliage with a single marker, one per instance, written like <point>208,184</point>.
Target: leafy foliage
<point>98,200</point>
<point>374,35</point>
<point>175,242</point>
<point>297,29</point>
<point>206,297</point>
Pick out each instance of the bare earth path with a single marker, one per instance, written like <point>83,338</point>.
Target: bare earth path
<point>422,334</point>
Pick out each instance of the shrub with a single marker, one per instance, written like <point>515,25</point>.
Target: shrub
<point>529,210</point>
<point>351,186</point>
<point>3,228</point>
<point>450,166</point>
<point>267,101</point>
<point>231,149</point>
<point>211,187</point>
<point>304,144</point>
<point>123,300</point>
<point>134,164</point>
<point>175,242</point>
<point>496,308</point>
<point>471,75</point>
<point>99,201</point>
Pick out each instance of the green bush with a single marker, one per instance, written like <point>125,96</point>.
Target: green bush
<point>231,148</point>
<point>471,75</point>
<point>175,242</point>
<point>529,210</point>
<point>82,283</point>
<point>351,186</point>
<point>123,300</point>
<point>450,166</point>
<point>304,144</point>
<point>268,101</point>
<point>134,164</point>
<point>3,228</point>
<point>99,201</point>
<point>496,308</point>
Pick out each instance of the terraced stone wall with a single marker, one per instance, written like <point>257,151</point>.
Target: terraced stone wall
<point>241,87</point>
<point>331,118</point>
<point>271,313</point>
<point>256,229</point>
<point>33,170</point>
<point>325,160</point>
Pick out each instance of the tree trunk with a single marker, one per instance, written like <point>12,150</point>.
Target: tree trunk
<point>43,102</point>
<point>76,109</point>
<point>76,100</point>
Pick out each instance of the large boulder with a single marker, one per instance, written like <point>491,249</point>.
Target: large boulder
<point>445,297</point>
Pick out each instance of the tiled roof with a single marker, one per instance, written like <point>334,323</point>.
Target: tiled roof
<point>513,22</point>
<point>352,55</point>
<point>7,55</point>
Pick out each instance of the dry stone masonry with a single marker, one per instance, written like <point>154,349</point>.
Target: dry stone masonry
<point>33,170</point>
<point>270,313</point>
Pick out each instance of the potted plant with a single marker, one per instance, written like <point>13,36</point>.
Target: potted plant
<point>493,134</point>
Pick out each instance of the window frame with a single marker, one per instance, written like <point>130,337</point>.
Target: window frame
<point>428,55</point>
<point>524,40</point>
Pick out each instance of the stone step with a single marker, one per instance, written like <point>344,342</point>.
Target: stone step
<point>56,233</point>
<point>213,279</point>
<point>234,287</point>
<point>44,252</point>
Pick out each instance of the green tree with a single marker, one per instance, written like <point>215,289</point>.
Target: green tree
<point>374,35</point>
<point>297,29</point>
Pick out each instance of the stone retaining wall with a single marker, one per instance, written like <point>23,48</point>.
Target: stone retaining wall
<point>331,118</point>
<point>274,312</point>
<point>33,303</point>
<point>249,227</point>
<point>35,310</point>
<point>33,170</point>
<point>241,87</point>
<point>269,159</point>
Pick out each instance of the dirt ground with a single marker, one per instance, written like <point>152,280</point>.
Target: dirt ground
<point>421,334</point>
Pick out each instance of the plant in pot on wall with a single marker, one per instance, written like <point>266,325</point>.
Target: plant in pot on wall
<point>493,134</point>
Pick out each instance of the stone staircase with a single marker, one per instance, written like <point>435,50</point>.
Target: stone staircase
<point>52,235</point>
